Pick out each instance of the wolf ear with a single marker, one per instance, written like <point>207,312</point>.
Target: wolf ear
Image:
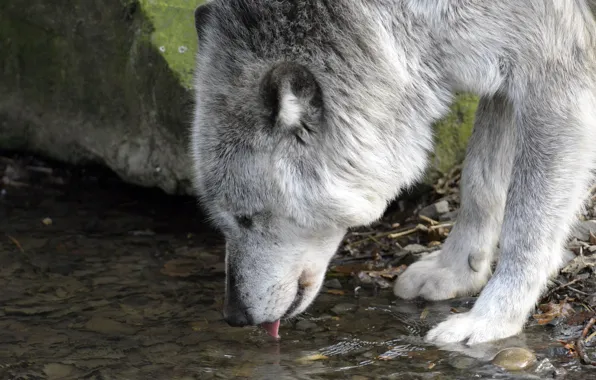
<point>293,98</point>
<point>202,13</point>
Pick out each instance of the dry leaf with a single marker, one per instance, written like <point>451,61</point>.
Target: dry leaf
<point>578,264</point>
<point>570,347</point>
<point>336,292</point>
<point>389,273</point>
<point>552,311</point>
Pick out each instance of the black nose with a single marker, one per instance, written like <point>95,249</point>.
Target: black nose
<point>237,316</point>
<point>235,310</point>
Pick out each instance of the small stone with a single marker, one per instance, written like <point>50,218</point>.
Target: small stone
<point>47,221</point>
<point>306,325</point>
<point>212,316</point>
<point>415,248</point>
<point>463,362</point>
<point>582,230</point>
<point>449,216</point>
<point>435,210</point>
<point>58,370</point>
<point>333,284</point>
<point>514,359</point>
<point>343,308</point>
<point>442,207</point>
<point>109,326</point>
<point>547,370</point>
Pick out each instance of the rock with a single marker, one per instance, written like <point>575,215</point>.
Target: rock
<point>514,359</point>
<point>333,284</point>
<point>306,325</point>
<point>212,316</point>
<point>58,370</point>
<point>109,326</point>
<point>435,210</point>
<point>107,82</point>
<point>343,308</point>
<point>442,207</point>
<point>463,362</point>
<point>547,370</point>
<point>415,248</point>
<point>452,133</point>
<point>448,216</point>
<point>582,230</point>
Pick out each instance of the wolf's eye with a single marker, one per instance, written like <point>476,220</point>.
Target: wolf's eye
<point>244,221</point>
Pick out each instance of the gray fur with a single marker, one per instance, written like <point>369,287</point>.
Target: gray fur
<point>312,115</point>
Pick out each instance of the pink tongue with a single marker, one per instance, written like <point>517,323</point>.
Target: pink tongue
<point>272,328</point>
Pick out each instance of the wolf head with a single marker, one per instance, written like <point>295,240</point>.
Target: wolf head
<point>290,149</point>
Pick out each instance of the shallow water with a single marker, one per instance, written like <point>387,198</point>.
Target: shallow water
<point>121,283</point>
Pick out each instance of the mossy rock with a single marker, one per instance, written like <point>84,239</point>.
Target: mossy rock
<point>173,33</point>
<point>452,134</point>
<point>101,81</point>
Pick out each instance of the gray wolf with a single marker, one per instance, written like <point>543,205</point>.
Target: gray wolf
<point>312,115</point>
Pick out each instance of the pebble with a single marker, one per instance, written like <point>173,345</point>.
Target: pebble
<point>514,359</point>
<point>109,326</point>
<point>415,248</point>
<point>463,362</point>
<point>305,325</point>
<point>435,210</point>
<point>546,369</point>
<point>343,308</point>
<point>58,370</point>
<point>449,216</point>
<point>212,316</point>
<point>333,284</point>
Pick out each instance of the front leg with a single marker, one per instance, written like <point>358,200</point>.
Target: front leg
<point>462,267</point>
<point>554,157</point>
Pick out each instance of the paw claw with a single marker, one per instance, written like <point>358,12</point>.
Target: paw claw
<point>471,329</point>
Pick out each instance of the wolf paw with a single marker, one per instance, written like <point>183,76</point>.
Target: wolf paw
<point>430,279</point>
<point>472,329</point>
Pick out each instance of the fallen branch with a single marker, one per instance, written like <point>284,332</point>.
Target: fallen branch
<point>579,345</point>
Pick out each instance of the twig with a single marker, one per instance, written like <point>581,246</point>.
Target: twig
<point>376,236</point>
<point>428,220</point>
<point>404,233</point>
<point>559,288</point>
<point>40,169</point>
<point>398,234</point>
<point>578,291</point>
<point>579,345</point>
<point>16,242</point>
<point>444,225</point>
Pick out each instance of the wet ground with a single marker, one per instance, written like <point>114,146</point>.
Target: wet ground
<point>104,281</point>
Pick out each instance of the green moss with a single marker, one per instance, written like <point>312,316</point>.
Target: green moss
<point>452,134</point>
<point>174,34</point>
